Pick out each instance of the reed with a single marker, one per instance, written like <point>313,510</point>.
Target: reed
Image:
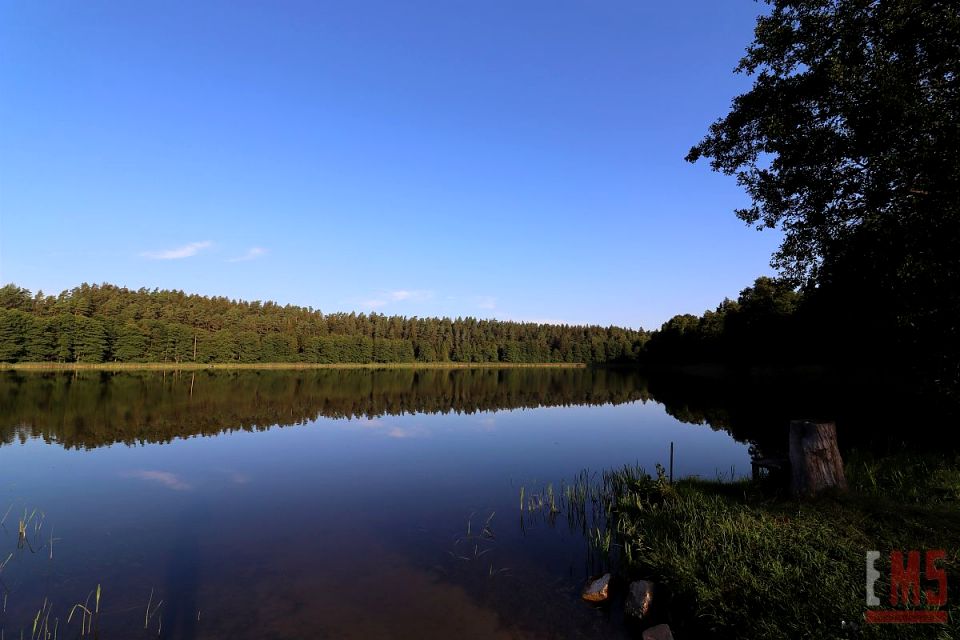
<point>151,612</point>
<point>476,543</point>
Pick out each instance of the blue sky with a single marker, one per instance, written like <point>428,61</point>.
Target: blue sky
<point>518,160</point>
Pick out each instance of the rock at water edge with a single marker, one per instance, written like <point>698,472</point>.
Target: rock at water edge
<point>659,632</point>
<point>639,598</point>
<point>597,589</point>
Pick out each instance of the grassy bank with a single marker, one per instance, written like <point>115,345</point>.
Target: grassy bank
<point>227,366</point>
<point>744,560</point>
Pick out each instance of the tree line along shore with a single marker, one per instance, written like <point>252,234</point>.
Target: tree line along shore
<point>105,326</point>
<point>94,324</point>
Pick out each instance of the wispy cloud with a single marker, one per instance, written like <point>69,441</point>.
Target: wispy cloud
<point>252,254</point>
<point>400,295</point>
<point>177,253</point>
<point>486,302</point>
<point>415,295</point>
<point>165,478</point>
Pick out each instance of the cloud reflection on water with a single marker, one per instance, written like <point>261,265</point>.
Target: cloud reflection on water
<point>164,478</point>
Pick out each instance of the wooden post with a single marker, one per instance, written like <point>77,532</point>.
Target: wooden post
<point>671,463</point>
<point>815,462</point>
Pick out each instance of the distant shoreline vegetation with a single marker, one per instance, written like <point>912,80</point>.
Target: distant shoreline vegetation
<point>94,324</point>
<point>283,366</point>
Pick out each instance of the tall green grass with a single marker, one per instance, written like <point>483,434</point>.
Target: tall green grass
<point>740,559</point>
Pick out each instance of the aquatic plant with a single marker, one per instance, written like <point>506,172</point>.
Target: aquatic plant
<point>474,545</point>
<point>151,612</point>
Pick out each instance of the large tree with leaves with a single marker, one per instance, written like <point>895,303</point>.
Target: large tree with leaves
<point>849,141</point>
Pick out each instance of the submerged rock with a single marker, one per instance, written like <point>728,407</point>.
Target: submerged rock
<point>597,589</point>
<point>639,598</point>
<point>659,632</point>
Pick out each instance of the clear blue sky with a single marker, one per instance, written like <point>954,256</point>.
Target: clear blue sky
<point>518,160</point>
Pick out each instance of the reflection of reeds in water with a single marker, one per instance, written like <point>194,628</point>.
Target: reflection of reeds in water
<point>41,623</point>
<point>545,500</point>
<point>571,499</point>
<point>44,625</point>
<point>29,527</point>
<point>472,546</point>
<point>31,522</point>
<point>150,613</point>
<point>589,504</point>
<point>88,617</point>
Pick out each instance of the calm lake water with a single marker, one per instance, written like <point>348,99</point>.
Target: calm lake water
<point>318,504</point>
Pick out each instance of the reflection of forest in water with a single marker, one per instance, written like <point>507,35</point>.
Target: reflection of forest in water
<point>91,409</point>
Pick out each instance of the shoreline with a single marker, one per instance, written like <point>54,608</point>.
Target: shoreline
<point>698,537</point>
<point>275,366</point>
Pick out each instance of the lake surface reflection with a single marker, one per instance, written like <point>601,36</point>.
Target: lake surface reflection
<point>331,503</point>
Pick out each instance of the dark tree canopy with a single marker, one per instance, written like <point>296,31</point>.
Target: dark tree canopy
<point>849,141</point>
<point>760,327</point>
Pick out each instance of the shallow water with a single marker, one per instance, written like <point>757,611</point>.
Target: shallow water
<point>340,504</point>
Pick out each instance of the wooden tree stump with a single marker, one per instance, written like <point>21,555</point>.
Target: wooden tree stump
<point>815,462</point>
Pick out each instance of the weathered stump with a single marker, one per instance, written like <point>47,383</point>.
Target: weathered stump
<point>815,462</point>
